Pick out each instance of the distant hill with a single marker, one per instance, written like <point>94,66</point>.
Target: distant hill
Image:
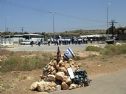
<point>86,32</point>
<point>71,33</point>
<point>78,32</point>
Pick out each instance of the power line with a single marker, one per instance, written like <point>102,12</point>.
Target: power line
<point>56,13</point>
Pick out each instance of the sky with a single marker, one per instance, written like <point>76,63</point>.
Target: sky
<point>37,15</point>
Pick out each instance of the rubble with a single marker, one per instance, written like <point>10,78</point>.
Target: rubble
<point>73,86</point>
<point>58,87</point>
<point>43,86</point>
<point>64,86</point>
<point>51,77</point>
<point>60,76</point>
<point>56,76</point>
<point>34,86</point>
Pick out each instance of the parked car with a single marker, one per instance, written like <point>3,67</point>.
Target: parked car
<point>26,42</point>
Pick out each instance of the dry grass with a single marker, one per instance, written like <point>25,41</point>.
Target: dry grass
<point>111,49</point>
<point>104,64</point>
<point>114,49</point>
<point>23,61</point>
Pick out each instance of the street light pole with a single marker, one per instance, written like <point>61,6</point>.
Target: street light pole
<point>107,15</point>
<point>53,19</point>
<point>53,24</point>
<point>108,5</point>
<point>22,29</point>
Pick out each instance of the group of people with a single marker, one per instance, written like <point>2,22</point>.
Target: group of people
<point>65,41</point>
<point>70,41</point>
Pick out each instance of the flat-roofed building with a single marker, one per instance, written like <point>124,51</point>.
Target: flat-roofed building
<point>19,38</point>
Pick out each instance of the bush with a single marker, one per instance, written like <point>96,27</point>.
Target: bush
<point>93,48</point>
<point>109,49</point>
<point>18,63</point>
<point>114,49</point>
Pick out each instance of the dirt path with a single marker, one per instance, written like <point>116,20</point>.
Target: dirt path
<point>114,83</point>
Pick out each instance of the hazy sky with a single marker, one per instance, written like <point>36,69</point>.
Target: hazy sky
<point>36,15</point>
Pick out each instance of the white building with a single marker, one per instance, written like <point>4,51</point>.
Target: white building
<point>22,38</point>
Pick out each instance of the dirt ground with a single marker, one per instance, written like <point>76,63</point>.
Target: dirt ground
<point>19,81</point>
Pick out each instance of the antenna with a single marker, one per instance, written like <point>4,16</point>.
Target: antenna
<point>112,22</point>
<point>112,25</point>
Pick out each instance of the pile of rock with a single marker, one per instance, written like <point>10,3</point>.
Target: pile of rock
<point>56,77</point>
<point>3,58</point>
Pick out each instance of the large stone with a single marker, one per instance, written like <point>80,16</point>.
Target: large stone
<point>67,80</point>
<point>60,75</point>
<point>46,86</point>
<point>58,87</point>
<point>73,86</point>
<point>57,67</point>
<point>67,65</point>
<point>34,86</point>
<point>63,69</point>
<point>52,68</point>
<point>51,77</point>
<point>48,67</point>
<point>53,72</point>
<point>52,89</point>
<point>64,86</point>
<point>40,86</point>
<point>49,86</point>
<point>52,84</point>
<point>53,62</point>
<point>61,63</point>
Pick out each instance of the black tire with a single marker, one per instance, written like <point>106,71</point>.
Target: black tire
<point>86,82</point>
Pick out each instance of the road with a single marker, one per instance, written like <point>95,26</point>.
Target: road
<point>52,48</point>
<point>114,83</point>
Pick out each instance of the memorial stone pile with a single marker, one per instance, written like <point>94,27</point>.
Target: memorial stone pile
<point>55,75</point>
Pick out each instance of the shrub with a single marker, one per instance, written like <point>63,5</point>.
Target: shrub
<point>18,63</point>
<point>114,49</point>
<point>109,49</point>
<point>93,48</point>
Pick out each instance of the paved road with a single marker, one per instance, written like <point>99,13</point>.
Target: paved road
<point>108,84</point>
<point>51,47</point>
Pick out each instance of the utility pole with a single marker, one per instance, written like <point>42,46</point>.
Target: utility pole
<point>22,29</point>
<point>112,26</point>
<point>107,15</point>
<point>53,24</point>
<point>108,5</point>
<point>53,19</point>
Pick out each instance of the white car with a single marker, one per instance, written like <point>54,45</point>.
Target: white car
<point>25,42</point>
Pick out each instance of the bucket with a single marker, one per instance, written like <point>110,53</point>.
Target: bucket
<point>68,54</point>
